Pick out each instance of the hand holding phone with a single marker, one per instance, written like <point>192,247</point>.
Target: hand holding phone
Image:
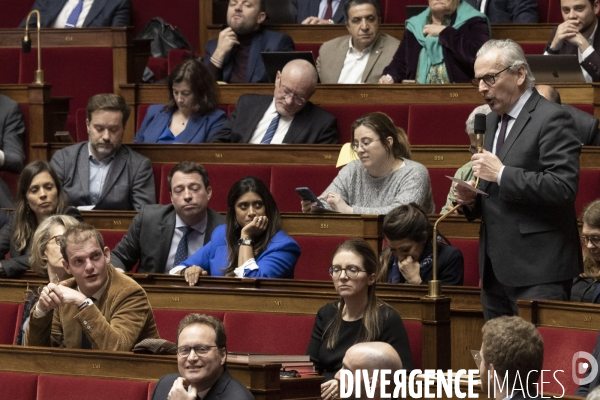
<point>307,194</point>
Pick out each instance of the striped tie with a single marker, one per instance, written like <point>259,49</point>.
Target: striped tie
<point>74,16</point>
<point>271,130</point>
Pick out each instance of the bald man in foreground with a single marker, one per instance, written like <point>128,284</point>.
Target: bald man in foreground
<point>286,117</point>
<point>371,356</point>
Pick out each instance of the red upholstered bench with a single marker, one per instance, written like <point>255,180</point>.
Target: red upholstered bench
<point>315,259</point>
<point>10,322</point>
<point>52,387</point>
<point>588,108</point>
<point>9,67</point>
<point>268,333</point>
<point>554,14</point>
<point>589,189</point>
<point>167,321</point>
<point>312,47</point>
<point>438,124</point>
<point>16,386</point>
<point>559,347</point>
<point>285,179</point>
<point>222,177</point>
<point>112,238</point>
<point>533,48</point>
<point>395,12</point>
<point>346,114</point>
<point>414,329</point>
<point>470,251</point>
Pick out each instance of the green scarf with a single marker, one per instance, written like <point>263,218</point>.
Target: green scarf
<point>431,45</point>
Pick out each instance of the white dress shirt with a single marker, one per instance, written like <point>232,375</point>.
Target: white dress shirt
<point>354,64</point>
<point>61,20</point>
<point>263,125</point>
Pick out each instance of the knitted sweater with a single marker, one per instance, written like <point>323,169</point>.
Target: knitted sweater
<point>368,195</point>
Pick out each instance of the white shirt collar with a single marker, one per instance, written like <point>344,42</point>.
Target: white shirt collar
<point>200,226</point>
<point>366,50</point>
<point>516,109</point>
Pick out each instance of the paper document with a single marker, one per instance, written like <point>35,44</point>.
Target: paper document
<point>466,185</point>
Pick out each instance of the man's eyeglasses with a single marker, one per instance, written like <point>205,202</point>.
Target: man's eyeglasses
<point>489,79</point>
<point>365,145</point>
<point>288,94</point>
<point>351,272</point>
<point>57,239</point>
<point>594,240</point>
<point>200,350</point>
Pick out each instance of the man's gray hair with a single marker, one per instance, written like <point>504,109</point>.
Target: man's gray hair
<point>511,55</point>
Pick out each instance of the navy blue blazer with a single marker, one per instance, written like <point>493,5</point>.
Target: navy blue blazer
<point>102,13</point>
<point>198,129</point>
<point>264,41</point>
<point>507,11</point>
<point>302,9</point>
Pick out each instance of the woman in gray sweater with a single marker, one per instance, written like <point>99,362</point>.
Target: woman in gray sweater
<point>383,177</point>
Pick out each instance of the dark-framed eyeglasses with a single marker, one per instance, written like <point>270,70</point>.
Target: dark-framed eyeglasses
<point>200,350</point>
<point>57,239</point>
<point>351,272</point>
<point>594,240</point>
<point>288,94</point>
<point>489,79</point>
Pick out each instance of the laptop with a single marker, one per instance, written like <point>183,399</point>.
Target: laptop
<point>276,60</point>
<point>559,68</point>
<point>411,11</point>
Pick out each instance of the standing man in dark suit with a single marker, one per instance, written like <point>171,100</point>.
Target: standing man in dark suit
<point>529,169</point>
<point>162,236</point>
<point>507,11</point>
<point>101,172</point>
<point>587,124</point>
<point>318,12</point>
<point>12,156</point>
<point>285,117</point>
<point>201,360</point>
<point>80,13</point>
<point>234,56</point>
<point>579,34</point>
<point>511,348</point>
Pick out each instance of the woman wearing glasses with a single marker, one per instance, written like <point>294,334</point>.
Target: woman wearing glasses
<point>251,244</point>
<point>585,287</point>
<point>409,255</point>
<point>358,316</point>
<point>46,259</point>
<point>383,177</point>
<point>39,194</point>
<point>439,44</point>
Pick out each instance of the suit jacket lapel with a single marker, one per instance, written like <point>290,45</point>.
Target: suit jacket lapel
<point>338,61</point>
<point>166,229</point>
<point>255,49</point>
<point>314,8</point>
<point>256,115</point>
<point>298,124</point>
<point>83,169</point>
<point>191,129</point>
<point>376,51</point>
<point>94,11</point>
<point>117,166</point>
<point>519,124</point>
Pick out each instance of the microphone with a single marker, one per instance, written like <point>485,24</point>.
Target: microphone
<point>26,46</point>
<point>479,128</point>
<point>26,43</point>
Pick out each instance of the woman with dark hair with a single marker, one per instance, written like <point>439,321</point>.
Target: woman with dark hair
<point>191,115</point>
<point>39,194</point>
<point>358,316</point>
<point>251,244</point>
<point>585,286</point>
<point>384,177</point>
<point>439,45</point>
<point>409,255</point>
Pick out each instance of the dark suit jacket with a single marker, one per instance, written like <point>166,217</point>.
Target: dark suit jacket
<point>197,130</point>
<point>587,126</point>
<point>102,13</point>
<point>12,128</point>
<point>310,125</point>
<point>302,9</point>
<point>529,227</point>
<point>459,47</point>
<point>264,41</point>
<point>584,390</point>
<point>18,262</point>
<point>225,388</point>
<point>506,11</point>
<point>149,237</point>
<point>592,63</point>
<point>128,186</point>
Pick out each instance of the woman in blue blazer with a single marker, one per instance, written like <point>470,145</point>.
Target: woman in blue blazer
<point>191,115</point>
<point>251,244</point>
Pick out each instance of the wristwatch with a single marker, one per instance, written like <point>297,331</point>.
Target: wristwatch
<point>245,242</point>
<point>86,302</point>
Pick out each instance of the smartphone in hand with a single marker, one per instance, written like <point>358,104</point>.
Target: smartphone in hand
<point>307,194</point>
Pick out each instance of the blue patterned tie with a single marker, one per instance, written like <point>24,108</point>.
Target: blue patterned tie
<point>74,16</point>
<point>271,130</point>
<point>182,248</point>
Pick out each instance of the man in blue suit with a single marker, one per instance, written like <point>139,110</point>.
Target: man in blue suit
<point>507,11</point>
<point>318,12</point>
<point>80,14</point>
<point>234,56</point>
